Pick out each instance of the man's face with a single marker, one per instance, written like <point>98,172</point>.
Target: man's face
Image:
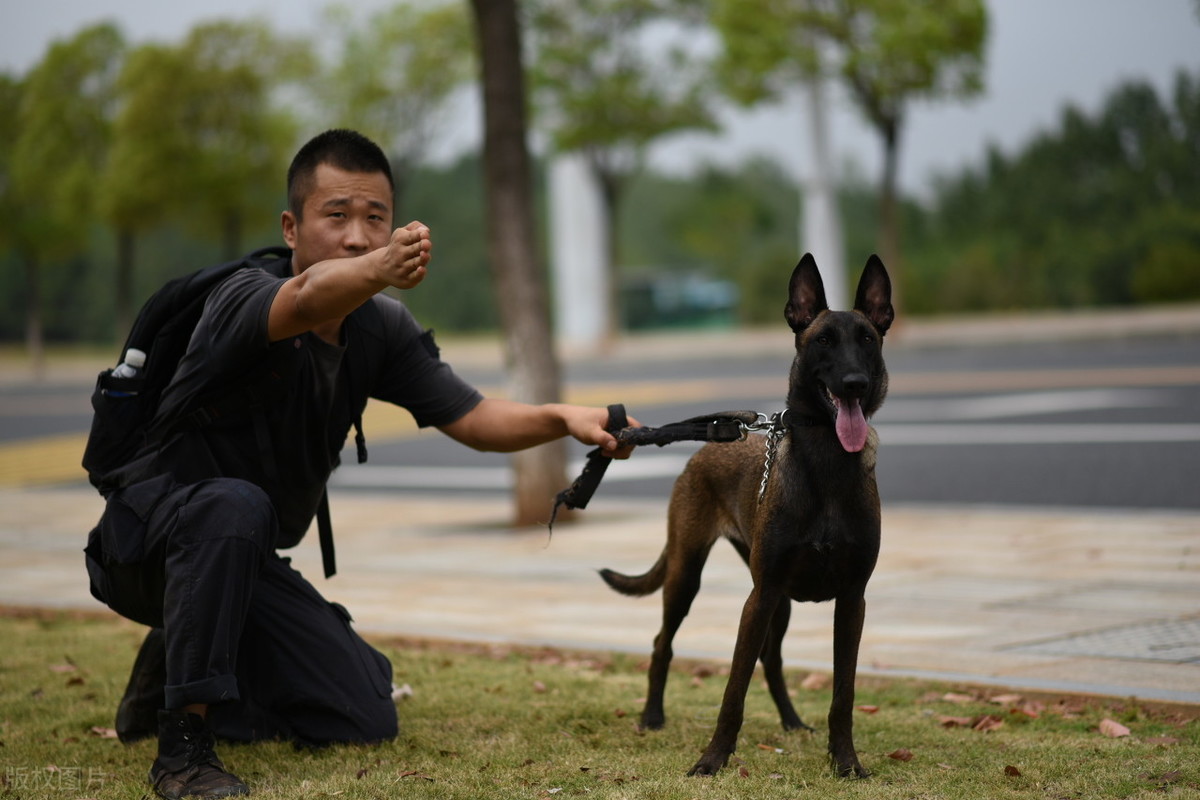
<point>346,214</point>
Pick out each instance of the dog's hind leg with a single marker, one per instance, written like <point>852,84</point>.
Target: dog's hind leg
<point>848,613</point>
<point>772,661</point>
<point>679,590</point>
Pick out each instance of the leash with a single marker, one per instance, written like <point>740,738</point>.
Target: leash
<point>726,426</point>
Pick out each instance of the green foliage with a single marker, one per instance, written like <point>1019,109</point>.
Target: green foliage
<point>394,72</point>
<point>610,77</point>
<point>492,721</point>
<point>197,137</point>
<point>64,116</point>
<point>1102,210</point>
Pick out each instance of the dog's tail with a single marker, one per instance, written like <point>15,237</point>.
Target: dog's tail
<point>638,585</point>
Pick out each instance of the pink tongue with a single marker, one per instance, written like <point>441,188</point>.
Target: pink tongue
<point>852,428</point>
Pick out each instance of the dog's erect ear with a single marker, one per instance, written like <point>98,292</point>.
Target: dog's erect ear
<point>806,294</point>
<point>874,295</point>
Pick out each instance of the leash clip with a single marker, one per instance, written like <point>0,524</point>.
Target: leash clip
<point>761,423</point>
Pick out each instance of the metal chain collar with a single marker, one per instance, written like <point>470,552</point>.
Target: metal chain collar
<point>776,430</point>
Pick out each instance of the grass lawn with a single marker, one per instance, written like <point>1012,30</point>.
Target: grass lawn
<point>496,722</point>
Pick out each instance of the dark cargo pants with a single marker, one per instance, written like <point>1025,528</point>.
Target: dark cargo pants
<point>244,632</point>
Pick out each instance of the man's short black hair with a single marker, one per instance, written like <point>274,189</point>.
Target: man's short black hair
<point>345,149</point>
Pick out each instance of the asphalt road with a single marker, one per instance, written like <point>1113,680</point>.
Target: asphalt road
<point>1109,424</point>
<point>1115,425</point>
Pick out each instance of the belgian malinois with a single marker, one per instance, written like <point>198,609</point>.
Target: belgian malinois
<point>801,509</point>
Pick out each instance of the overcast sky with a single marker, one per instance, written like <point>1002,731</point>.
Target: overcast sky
<point>1041,55</point>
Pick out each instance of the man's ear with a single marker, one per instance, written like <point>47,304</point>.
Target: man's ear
<point>288,224</point>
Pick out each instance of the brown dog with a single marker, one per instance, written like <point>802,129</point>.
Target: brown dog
<point>808,531</point>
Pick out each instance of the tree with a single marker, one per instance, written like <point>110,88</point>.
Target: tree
<point>393,77</point>
<point>64,122</point>
<point>197,139</point>
<point>512,248</point>
<point>887,54</point>
<point>610,77</point>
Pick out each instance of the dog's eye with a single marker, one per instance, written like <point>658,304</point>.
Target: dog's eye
<point>823,340</point>
<point>868,338</point>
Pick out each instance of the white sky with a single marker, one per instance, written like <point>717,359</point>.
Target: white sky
<point>1041,54</point>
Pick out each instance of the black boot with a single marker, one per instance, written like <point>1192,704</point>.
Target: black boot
<point>137,716</point>
<point>186,765</point>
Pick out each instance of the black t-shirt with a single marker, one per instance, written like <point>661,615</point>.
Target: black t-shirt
<point>309,416</point>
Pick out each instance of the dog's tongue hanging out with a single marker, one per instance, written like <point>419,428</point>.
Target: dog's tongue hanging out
<point>851,425</point>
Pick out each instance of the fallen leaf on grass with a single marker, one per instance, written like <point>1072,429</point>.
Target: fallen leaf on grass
<point>104,733</point>
<point>742,771</point>
<point>539,687</point>
<point>903,754</point>
<point>1012,771</point>
<point>815,682</point>
<point>956,722</point>
<point>401,692</point>
<point>954,697</point>
<point>63,668</point>
<point>412,773</point>
<point>868,709</point>
<point>1006,699</point>
<point>1113,729</point>
<point>988,722</point>
<point>770,748</point>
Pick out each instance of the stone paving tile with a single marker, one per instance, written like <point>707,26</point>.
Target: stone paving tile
<point>959,593</point>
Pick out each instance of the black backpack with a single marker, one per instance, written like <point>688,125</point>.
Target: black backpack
<point>125,408</point>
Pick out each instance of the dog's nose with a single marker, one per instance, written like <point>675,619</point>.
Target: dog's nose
<point>855,384</point>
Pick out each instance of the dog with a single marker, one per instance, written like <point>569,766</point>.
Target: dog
<point>803,513</point>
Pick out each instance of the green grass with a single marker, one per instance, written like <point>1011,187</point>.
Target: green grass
<point>489,722</point>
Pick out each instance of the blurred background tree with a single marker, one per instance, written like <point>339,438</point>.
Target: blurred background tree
<point>609,78</point>
<point>64,127</point>
<point>107,143</point>
<point>886,54</point>
<point>393,76</point>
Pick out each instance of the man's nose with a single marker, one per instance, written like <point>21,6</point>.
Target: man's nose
<point>354,236</point>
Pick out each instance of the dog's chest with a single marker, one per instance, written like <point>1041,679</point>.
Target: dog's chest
<point>822,548</point>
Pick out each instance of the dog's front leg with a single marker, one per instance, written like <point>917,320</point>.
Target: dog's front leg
<point>848,613</point>
<point>752,632</point>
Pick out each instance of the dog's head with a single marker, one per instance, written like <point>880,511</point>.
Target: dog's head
<point>838,375</point>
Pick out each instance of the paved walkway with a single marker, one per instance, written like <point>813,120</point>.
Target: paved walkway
<point>1079,601</point>
<point>1089,602</point>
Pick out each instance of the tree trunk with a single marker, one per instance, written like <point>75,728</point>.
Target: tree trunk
<point>821,215</point>
<point>540,473</point>
<point>889,222</point>
<point>124,289</point>
<point>35,341</point>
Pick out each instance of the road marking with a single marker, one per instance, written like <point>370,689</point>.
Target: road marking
<point>55,459</point>
<point>904,434</point>
<point>1021,405</point>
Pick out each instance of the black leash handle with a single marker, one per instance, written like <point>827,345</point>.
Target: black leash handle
<point>580,492</point>
<point>726,426</point>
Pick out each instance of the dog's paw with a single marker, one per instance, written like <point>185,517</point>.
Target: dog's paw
<point>849,767</point>
<point>797,724</point>
<point>652,722</point>
<point>709,764</point>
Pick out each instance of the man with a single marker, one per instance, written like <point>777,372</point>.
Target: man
<point>242,646</point>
